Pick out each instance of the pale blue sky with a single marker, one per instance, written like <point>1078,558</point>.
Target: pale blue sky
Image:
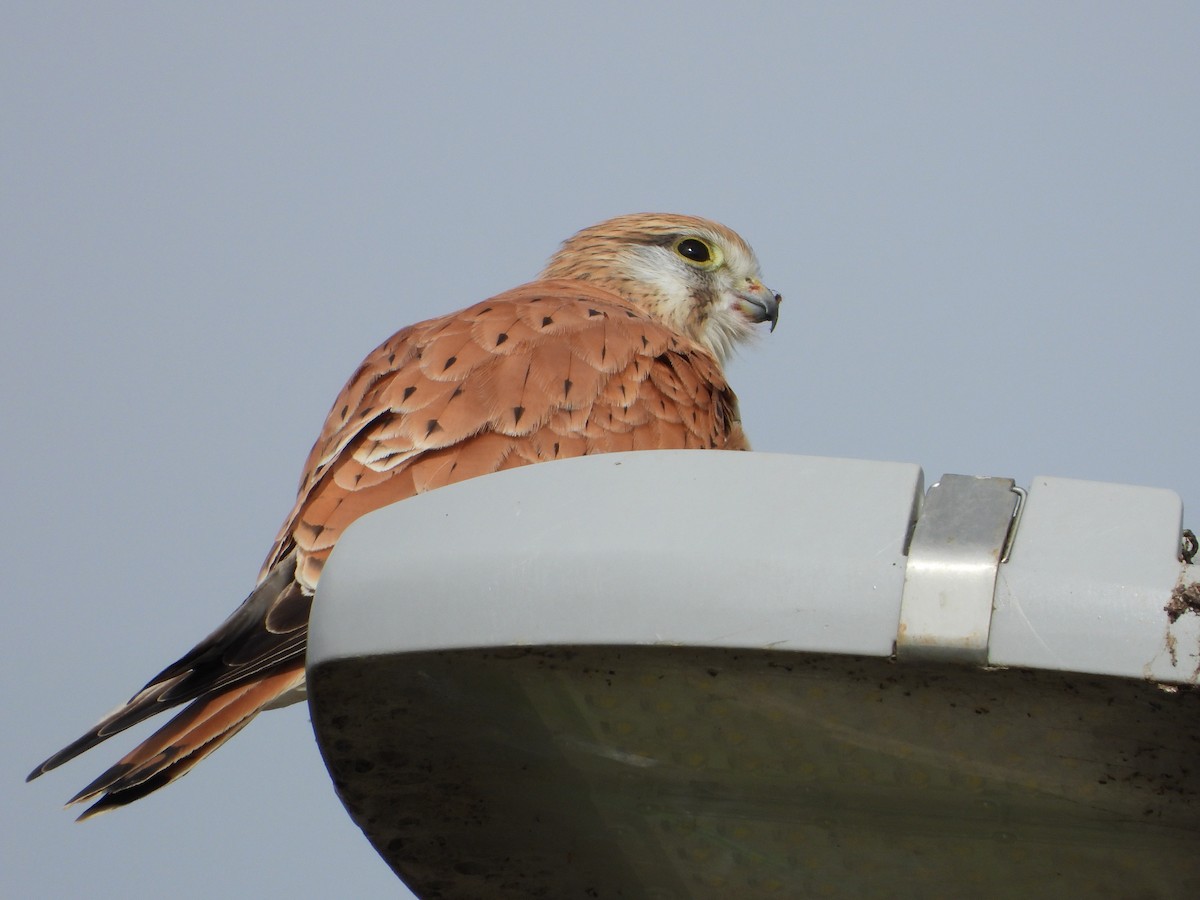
<point>985,220</point>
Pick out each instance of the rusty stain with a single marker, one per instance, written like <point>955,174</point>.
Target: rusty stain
<point>1185,598</point>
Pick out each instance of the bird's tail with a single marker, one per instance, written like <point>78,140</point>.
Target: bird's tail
<point>250,662</point>
<point>189,737</point>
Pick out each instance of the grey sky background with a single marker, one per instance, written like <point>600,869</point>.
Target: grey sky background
<point>985,221</point>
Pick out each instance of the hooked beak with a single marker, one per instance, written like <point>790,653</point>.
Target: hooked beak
<point>759,303</point>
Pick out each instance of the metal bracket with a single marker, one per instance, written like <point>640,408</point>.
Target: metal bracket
<point>950,579</point>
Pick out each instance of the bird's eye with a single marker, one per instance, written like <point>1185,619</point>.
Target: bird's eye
<point>695,250</point>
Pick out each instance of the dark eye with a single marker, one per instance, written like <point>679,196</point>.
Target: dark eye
<point>696,251</point>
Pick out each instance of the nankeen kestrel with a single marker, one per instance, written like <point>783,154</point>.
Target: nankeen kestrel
<point>617,346</point>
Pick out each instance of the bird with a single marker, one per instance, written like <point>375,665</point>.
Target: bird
<point>619,344</point>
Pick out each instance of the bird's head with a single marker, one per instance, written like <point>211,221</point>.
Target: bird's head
<point>698,277</point>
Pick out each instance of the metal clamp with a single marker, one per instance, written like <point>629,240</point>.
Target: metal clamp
<point>961,536</point>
